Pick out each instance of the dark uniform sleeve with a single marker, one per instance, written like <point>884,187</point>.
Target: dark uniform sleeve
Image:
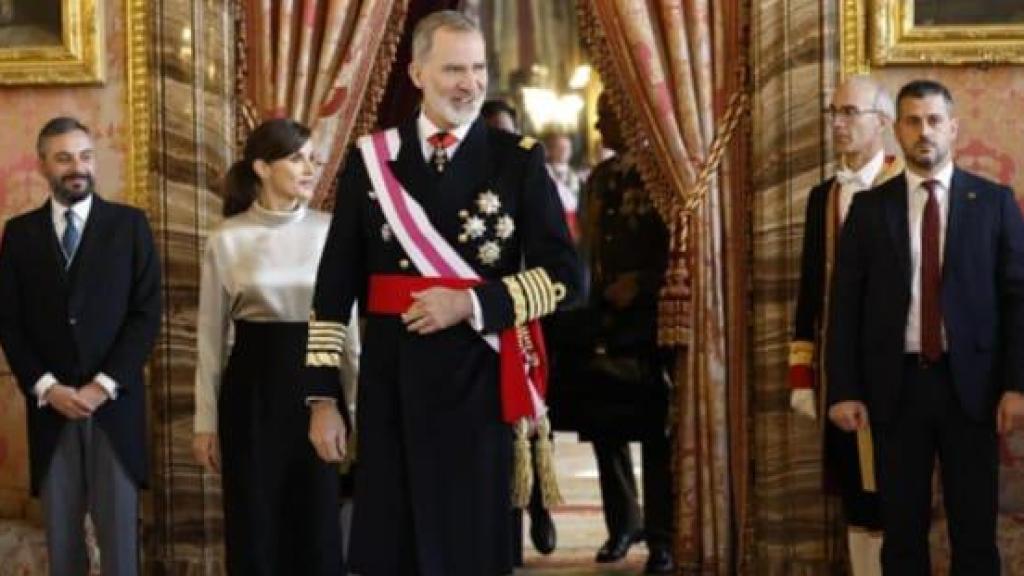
<point>552,276</point>
<point>339,280</point>
<point>810,297</point>
<point>25,364</point>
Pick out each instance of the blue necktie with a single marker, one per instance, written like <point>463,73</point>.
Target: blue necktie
<point>69,241</point>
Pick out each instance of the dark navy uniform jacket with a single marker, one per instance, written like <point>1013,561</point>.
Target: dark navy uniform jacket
<point>434,457</point>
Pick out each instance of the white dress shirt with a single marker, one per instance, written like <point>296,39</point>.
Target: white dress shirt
<point>917,196</point>
<point>426,129</point>
<point>853,181</point>
<point>80,214</point>
<point>568,185</point>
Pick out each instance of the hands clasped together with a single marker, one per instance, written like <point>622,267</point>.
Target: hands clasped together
<point>79,403</point>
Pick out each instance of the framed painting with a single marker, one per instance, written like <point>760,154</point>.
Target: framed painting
<point>51,42</point>
<point>930,32</point>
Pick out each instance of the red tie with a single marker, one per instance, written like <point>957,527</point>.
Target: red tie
<point>931,278</point>
<point>441,141</point>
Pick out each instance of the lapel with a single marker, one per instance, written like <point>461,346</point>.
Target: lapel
<point>411,168</point>
<point>897,210</point>
<point>51,256</point>
<point>442,196</point>
<point>467,172</point>
<point>959,210</point>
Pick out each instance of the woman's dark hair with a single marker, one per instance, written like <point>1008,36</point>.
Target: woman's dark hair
<point>271,140</point>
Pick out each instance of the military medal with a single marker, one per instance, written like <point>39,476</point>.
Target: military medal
<point>489,253</point>
<point>474,227</point>
<point>488,203</point>
<point>505,227</point>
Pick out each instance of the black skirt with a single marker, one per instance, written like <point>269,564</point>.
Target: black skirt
<point>281,510</point>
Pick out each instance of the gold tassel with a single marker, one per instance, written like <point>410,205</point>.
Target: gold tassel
<point>522,472</point>
<point>551,496</point>
<point>866,455</point>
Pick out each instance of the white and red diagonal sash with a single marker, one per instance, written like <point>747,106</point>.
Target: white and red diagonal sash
<point>523,378</point>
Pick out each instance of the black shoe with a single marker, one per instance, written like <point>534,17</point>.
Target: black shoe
<point>616,547</point>
<point>542,532</point>
<point>659,561</point>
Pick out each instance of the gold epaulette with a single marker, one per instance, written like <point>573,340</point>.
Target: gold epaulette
<point>533,294</point>
<point>527,142</point>
<point>891,167</point>
<point>326,343</point>
<point>801,353</point>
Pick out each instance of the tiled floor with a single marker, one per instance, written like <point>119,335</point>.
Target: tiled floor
<point>579,522</point>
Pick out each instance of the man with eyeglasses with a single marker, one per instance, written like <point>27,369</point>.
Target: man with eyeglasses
<point>926,336</point>
<point>859,114</point>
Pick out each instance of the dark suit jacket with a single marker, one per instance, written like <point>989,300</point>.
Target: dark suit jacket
<point>982,297</point>
<point>100,315</point>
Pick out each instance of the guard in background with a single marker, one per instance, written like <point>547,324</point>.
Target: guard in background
<point>859,115</point>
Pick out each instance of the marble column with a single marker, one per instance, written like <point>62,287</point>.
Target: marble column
<point>796,527</point>
<point>192,58</point>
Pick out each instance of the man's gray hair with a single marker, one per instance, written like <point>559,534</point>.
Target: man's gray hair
<point>882,101</point>
<point>423,35</point>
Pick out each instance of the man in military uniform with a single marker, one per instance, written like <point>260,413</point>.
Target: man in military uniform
<point>860,113</point>
<point>450,235</point>
<point>626,399</point>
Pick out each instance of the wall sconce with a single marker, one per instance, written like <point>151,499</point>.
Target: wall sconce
<point>546,108</point>
<point>580,77</point>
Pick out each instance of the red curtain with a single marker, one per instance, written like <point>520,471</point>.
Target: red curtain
<point>321,62</point>
<point>666,75</point>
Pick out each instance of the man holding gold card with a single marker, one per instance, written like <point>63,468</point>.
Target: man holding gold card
<point>926,337</point>
<point>860,113</point>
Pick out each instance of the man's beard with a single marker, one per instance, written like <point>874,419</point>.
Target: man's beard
<point>67,195</point>
<point>459,116</point>
<point>936,157</point>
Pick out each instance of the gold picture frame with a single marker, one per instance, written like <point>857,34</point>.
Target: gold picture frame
<point>137,78</point>
<point>886,32</point>
<point>55,42</point>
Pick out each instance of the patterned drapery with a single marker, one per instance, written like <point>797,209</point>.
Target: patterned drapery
<point>663,67</point>
<point>322,62</point>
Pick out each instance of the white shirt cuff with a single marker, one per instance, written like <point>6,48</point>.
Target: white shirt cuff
<point>310,400</point>
<point>204,423</point>
<point>43,385</point>
<point>108,384</point>
<point>477,320</point>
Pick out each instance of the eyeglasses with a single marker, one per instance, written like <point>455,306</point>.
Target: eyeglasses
<point>848,113</point>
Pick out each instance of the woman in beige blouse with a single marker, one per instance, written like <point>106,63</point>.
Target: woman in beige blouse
<point>251,421</point>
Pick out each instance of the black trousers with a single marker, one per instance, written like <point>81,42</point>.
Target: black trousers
<point>619,496</point>
<point>930,422</point>
<point>281,509</point>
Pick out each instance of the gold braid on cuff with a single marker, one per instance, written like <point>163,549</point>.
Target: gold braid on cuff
<point>533,294</point>
<point>326,343</point>
<point>801,353</point>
